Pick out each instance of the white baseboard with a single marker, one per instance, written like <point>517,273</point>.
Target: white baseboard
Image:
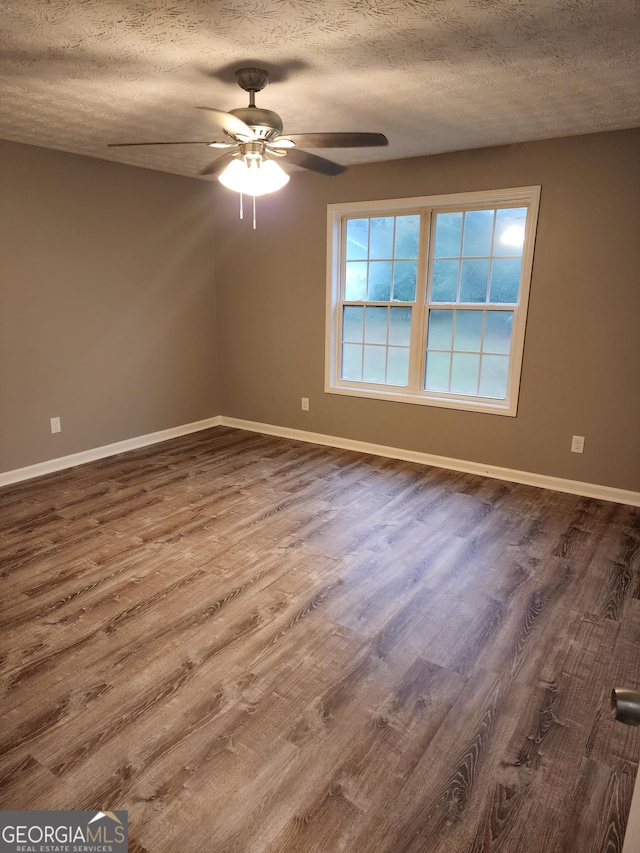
<point>542,481</point>
<point>74,459</point>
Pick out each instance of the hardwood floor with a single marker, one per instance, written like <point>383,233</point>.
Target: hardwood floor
<point>254,644</point>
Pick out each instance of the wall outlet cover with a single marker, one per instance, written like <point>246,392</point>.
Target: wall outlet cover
<point>577,444</point>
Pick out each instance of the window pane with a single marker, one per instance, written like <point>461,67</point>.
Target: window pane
<point>400,326</point>
<point>464,373</point>
<point>381,238</point>
<point>510,231</point>
<point>448,235</point>
<point>473,281</point>
<point>440,329</point>
<point>478,228</point>
<point>375,326</point>
<point>427,298</point>
<point>357,239</point>
<point>445,281</point>
<point>497,331</point>
<point>380,281</point>
<point>505,279</point>
<point>493,382</point>
<point>352,324</point>
<point>404,280</point>
<point>352,362</point>
<point>374,363</point>
<point>407,235</point>
<point>355,281</point>
<point>438,365</point>
<point>398,366</point>
<point>468,332</point>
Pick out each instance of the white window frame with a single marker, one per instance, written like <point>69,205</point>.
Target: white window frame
<point>427,207</point>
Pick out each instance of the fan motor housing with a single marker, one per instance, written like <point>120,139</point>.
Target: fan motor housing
<point>265,123</point>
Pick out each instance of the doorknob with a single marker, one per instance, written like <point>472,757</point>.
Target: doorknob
<point>626,705</point>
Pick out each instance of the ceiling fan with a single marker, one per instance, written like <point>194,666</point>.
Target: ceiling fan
<point>256,137</point>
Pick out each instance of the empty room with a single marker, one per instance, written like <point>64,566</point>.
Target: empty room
<point>320,426</point>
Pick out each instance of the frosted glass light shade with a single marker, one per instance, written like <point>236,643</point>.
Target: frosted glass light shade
<point>253,178</point>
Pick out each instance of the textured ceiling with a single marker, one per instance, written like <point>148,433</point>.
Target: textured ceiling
<point>433,75</point>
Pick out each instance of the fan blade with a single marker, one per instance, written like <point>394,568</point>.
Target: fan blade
<point>131,144</point>
<point>337,140</point>
<point>231,124</point>
<point>313,162</point>
<point>281,143</point>
<point>218,165</point>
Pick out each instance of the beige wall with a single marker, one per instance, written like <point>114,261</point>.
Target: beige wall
<point>107,303</point>
<point>582,351</point>
<point>107,311</point>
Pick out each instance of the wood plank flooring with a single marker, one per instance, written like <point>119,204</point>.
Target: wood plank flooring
<point>263,646</point>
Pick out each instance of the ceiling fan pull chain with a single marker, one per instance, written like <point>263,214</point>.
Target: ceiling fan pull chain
<point>241,210</point>
<point>254,213</point>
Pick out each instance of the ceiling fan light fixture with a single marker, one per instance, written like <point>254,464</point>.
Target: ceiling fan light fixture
<point>254,176</point>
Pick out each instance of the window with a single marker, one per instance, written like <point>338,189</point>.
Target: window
<point>428,298</point>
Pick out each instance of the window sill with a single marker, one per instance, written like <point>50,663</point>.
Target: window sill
<point>500,407</point>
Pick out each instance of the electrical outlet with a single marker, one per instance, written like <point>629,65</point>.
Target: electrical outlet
<point>55,425</point>
<point>305,404</point>
<point>577,444</point>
